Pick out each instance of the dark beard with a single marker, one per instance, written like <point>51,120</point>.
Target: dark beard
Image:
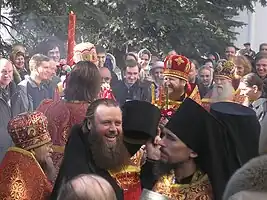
<point>164,168</point>
<point>105,156</point>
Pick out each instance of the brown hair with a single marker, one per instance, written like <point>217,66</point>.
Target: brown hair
<point>195,63</point>
<point>93,106</point>
<point>242,60</point>
<point>36,60</point>
<point>90,113</point>
<point>83,83</point>
<point>76,189</point>
<point>133,54</point>
<point>260,56</point>
<point>261,45</point>
<point>131,63</point>
<point>15,54</point>
<point>253,79</point>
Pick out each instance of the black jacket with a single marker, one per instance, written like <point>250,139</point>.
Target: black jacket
<point>138,91</point>
<point>6,113</point>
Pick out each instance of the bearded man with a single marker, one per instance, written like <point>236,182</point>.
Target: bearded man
<point>176,84</point>
<point>196,161</point>
<point>223,90</point>
<point>97,146</point>
<point>26,168</point>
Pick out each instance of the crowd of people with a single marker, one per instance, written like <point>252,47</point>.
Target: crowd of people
<point>151,129</point>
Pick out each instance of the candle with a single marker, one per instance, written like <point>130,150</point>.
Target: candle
<point>71,37</point>
<point>160,96</point>
<point>167,98</point>
<point>153,93</point>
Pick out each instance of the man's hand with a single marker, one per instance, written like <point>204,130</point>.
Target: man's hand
<point>153,147</point>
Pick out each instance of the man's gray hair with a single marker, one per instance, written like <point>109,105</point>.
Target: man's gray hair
<point>87,187</point>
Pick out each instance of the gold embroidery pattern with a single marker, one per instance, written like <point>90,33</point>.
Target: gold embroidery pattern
<point>199,188</point>
<point>195,95</point>
<point>37,134</point>
<point>225,68</point>
<point>137,158</point>
<point>22,178</point>
<point>175,73</point>
<point>61,116</point>
<point>179,61</point>
<point>128,176</point>
<point>17,190</point>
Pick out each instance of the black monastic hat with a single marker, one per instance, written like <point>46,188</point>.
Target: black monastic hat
<point>204,134</point>
<point>140,120</point>
<point>243,129</point>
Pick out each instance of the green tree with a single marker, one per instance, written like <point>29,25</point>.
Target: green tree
<point>191,27</point>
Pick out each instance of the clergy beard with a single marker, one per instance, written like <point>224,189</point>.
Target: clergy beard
<point>49,168</point>
<point>164,168</point>
<point>222,93</point>
<point>106,156</point>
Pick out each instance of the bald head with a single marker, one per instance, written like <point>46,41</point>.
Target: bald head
<point>77,189</point>
<point>105,75</point>
<point>4,61</point>
<point>6,72</point>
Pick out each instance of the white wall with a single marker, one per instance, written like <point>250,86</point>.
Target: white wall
<point>256,30</point>
<point>4,33</point>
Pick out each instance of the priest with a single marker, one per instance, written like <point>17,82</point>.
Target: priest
<point>195,162</point>
<point>98,146</point>
<point>176,85</point>
<point>27,168</point>
<point>223,90</point>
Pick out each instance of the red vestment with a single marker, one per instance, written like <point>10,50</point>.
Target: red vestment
<point>128,177</point>
<point>22,178</point>
<point>106,94</point>
<point>61,116</point>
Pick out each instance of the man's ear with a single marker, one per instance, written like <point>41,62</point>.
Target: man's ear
<point>193,154</point>
<point>89,125</point>
<point>255,88</point>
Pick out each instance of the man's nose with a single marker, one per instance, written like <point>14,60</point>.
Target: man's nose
<point>242,92</point>
<point>50,149</point>
<point>112,127</point>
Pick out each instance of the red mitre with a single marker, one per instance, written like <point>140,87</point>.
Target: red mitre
<point>29,130</point>
<point>177,66</point>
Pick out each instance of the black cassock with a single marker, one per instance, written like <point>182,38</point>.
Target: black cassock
<point>78,160</point>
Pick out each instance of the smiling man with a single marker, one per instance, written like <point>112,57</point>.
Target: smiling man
<point>33,90</point>
<point>223,90</point>
<point>98,146</point>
